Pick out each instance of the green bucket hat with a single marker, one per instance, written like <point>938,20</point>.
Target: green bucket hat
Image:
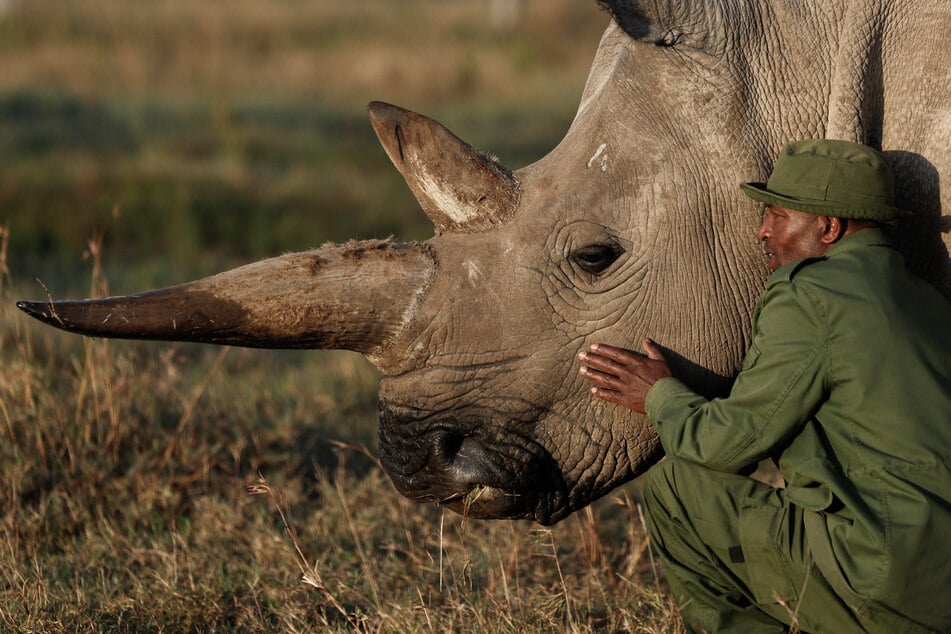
<point>830,178</point>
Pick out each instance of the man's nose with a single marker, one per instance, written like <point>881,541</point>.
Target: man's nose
<point>763,232</point>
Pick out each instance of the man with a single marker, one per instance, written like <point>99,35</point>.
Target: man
<point>847,386</point>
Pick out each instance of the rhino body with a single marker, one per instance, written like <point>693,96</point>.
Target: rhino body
<point>632,226</point>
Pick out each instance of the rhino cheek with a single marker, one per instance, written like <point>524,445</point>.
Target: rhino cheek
<point>482,447</point>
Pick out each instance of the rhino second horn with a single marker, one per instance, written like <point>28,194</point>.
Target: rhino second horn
<point>458,187</point>
<point>358,296</point>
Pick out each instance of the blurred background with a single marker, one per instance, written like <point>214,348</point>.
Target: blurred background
<point>197,135</point>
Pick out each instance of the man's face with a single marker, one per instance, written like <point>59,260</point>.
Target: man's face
<point>789,235</point>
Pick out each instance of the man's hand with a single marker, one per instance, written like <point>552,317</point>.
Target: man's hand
<point>623,377</point>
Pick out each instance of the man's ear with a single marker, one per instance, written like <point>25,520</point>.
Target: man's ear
<point>833,229</point>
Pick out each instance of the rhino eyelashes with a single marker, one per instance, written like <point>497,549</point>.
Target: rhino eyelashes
<point>596,258</point>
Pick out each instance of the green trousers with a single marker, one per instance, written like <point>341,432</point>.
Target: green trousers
<point>736,556</point>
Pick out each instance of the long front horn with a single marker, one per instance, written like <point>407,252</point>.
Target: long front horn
<point>357,296</point>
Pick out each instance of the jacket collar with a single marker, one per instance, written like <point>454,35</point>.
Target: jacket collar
<point>872,237</point>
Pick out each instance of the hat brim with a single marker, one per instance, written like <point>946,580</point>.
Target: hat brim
<point>879,213</point>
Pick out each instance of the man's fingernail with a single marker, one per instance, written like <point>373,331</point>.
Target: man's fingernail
<point>594,347</point>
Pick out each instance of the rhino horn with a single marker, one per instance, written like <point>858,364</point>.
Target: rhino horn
<point>331,297</point>
<point>458,187</point>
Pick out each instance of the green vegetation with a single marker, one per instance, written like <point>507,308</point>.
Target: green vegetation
<point>223,132</point>
<point>187,187</point>
<point>161,487</point>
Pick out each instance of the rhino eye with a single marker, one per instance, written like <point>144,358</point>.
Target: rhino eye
<point>596,258</point>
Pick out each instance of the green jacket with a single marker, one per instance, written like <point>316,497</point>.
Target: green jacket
<point>847,385</point>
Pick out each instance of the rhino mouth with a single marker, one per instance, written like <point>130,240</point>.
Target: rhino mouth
<point>464,464</point>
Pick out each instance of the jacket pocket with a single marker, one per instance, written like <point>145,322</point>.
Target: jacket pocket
<point>768,566</point>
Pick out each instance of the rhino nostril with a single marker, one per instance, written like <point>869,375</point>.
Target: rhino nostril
<point>445,447</point>
<point>468,460</point>
<point>473,464</point>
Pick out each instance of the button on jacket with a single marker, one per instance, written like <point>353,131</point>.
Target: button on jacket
<point>847,385</point>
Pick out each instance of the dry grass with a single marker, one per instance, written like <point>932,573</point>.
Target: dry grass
<point>126,474</point>
<point>129,473</point>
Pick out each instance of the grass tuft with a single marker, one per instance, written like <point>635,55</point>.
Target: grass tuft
<point>125,507</point>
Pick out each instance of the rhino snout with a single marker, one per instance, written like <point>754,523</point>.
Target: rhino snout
<point>445,460</point>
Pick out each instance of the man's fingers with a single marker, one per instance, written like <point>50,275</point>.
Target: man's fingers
<point>620,355</point>
<point>601,378</point>
<point>607,395</point>
<point>652,350</point>
<point>613,396</point>
<point>622,376</point>
<point>605,364</point>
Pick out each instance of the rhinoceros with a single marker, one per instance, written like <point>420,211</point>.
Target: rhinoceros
<point>632,226</point>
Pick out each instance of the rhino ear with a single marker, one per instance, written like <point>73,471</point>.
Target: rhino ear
<point>459,188</point>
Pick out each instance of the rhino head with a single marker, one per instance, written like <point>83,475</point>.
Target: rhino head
<point>632,226</point>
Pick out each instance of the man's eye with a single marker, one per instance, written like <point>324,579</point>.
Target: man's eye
<point>596,258</point>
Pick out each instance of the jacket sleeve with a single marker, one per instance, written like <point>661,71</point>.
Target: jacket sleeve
<point>778,390</point>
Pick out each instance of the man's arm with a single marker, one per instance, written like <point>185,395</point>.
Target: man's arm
<point>777,392</point>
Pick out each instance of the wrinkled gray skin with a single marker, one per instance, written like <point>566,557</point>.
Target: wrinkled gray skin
<point>633,226</point>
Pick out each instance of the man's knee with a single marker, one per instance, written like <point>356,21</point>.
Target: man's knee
<point>685,498</point>
<point>662,485</point>
<point>663,497</point>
